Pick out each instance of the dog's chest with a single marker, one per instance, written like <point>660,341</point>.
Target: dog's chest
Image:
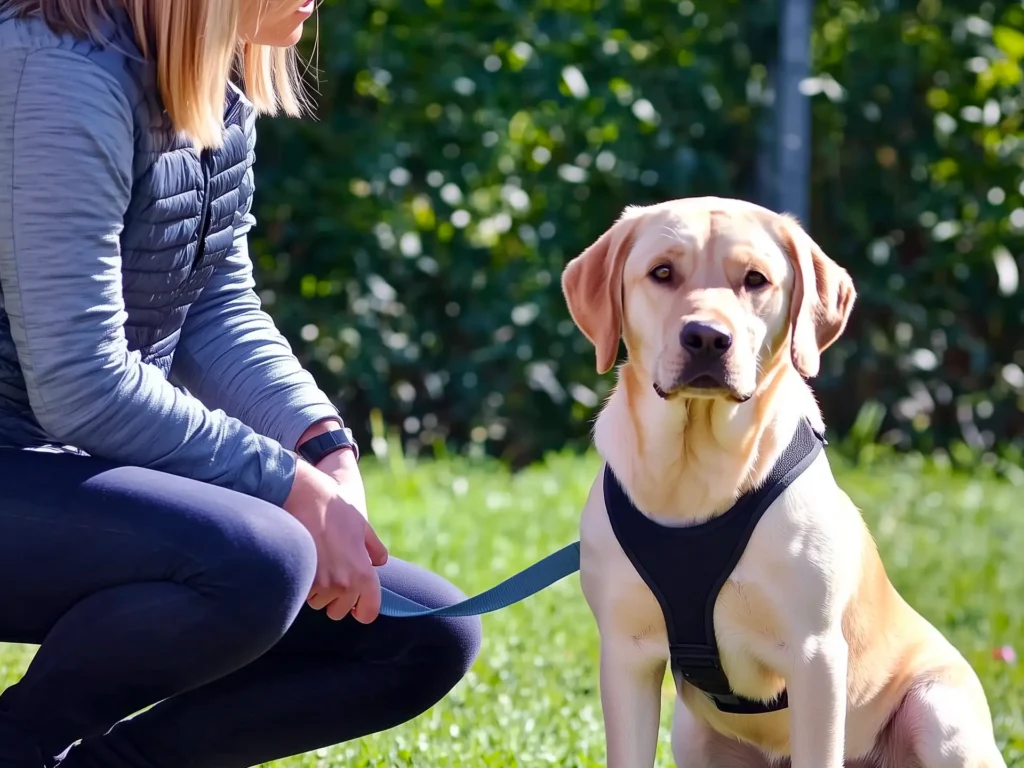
<point>747,621</point>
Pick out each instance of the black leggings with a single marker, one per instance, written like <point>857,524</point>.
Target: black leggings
<point>143,588</point>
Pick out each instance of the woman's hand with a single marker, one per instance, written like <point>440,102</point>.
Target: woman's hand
<point>333,509</point>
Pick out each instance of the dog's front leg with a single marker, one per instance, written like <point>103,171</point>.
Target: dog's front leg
<point>631,681</point>
<point>817,702</point>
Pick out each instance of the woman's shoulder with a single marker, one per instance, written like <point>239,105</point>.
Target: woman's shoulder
<point>25,41</point>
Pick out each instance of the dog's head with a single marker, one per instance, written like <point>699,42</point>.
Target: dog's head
<point>709,294</point>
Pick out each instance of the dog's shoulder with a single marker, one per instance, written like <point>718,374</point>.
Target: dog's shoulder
<point>804,558</point>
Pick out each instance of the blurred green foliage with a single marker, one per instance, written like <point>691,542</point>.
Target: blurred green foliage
<point>411,237</point>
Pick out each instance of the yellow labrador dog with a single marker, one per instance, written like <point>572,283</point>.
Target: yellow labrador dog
<point>725,309</point>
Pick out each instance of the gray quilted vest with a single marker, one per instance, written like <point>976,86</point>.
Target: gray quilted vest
<point>179,225</point>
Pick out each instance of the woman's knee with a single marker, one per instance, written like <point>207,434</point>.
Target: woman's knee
<point>276,564</point>
<point>448,650</point>
<point>460,636</point>
<point>461,639</point>
<point>450,645</point>
<point>255,560</point>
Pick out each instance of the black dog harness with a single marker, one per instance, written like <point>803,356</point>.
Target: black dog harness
<point>686,568</point>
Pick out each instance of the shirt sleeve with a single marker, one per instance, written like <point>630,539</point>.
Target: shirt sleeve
<point>232,356</point>
<point>66,188</point>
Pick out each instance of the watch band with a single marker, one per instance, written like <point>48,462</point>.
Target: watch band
<point>316,448</point>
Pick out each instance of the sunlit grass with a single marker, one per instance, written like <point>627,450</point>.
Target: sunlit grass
<point>951,545</point>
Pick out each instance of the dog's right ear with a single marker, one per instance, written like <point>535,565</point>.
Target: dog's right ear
<point>592,285</point>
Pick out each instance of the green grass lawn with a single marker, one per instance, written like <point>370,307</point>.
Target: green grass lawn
<point>951,545</point>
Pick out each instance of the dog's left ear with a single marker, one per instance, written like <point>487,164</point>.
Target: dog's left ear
<point>822,301</point>
<point>592,285</point>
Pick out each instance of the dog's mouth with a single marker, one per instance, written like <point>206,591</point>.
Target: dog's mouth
<point>704,386</point>
<point>705,381</point>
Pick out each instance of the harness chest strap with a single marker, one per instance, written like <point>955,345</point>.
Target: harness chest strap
<point>686,568</point>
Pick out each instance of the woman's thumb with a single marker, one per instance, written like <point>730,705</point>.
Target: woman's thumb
<point>375,548</point>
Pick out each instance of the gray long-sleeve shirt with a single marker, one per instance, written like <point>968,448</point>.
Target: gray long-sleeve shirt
<point>72,368</point>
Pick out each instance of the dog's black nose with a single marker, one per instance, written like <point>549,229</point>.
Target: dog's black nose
<point>705,339</point>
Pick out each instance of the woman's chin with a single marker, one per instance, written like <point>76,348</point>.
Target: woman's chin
<point>293,39</point>
<point>279,38</point>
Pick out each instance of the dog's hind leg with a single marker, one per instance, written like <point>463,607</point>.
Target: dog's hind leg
<point>949,726</point>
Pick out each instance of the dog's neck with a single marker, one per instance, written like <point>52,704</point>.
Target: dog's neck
<point>683,461</point>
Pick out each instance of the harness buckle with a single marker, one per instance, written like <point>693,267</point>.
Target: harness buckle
<point>695,656</point>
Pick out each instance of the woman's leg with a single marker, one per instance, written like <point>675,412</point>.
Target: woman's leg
<point>137,586</point>
<point>324,683</point>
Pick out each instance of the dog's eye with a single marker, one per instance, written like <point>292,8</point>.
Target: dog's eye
<point>661,273</point>
<point>755,279</point>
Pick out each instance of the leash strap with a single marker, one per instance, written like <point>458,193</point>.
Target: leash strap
<point>514,589</point>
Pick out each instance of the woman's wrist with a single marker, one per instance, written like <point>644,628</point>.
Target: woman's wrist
<point>337,463</point>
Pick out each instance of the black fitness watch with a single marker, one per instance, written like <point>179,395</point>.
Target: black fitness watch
<point>316,448</point>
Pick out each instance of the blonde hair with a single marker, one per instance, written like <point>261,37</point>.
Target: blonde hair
<point>196,47</point>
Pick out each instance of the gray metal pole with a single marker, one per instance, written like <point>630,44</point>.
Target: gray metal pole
<point>793,109</point>
<point>767,186</point>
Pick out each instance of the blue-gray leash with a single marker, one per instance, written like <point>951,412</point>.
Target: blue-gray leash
<point>522,585</point>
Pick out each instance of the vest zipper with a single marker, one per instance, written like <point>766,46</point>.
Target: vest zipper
<point>204,218</point>
<point>206,163</point>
